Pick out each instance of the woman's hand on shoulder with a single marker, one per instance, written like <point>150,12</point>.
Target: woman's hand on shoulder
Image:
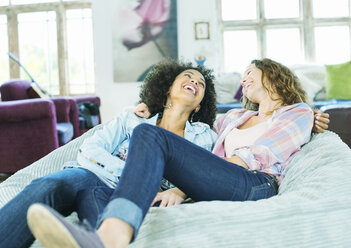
<point>321,121</point>
<point>142,110</point>
<point>169,197</point>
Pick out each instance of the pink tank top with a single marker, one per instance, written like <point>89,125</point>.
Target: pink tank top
<point>238,138</point>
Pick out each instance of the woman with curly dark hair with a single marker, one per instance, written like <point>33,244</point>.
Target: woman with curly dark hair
<point>251,152</point>
<point>154,92</point>
<point>182,100</point>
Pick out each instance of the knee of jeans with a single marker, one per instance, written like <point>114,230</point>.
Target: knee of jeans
<point>147,132</point>
<point>142,128</point>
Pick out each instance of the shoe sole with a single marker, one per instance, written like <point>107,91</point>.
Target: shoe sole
<point>48,230</point>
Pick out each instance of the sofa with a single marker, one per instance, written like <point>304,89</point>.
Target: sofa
<point>340,120</point>
<point>312,208</point>
<point>67,110</point>
<point>28,132</point>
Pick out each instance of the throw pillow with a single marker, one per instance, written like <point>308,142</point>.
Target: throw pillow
<point>226,87</point>
<point>338,81</point>
<point>312,78</point>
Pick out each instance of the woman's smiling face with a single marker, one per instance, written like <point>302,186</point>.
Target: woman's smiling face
<point>252,84</point>
<point>190,86</point>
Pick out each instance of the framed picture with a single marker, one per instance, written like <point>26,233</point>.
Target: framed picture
<point>202,30</point>
<point>142,37</point>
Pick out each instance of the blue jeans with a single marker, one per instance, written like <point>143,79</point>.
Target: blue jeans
<point>155,153</point>
<point>58,190</point>
<point>91,203</point>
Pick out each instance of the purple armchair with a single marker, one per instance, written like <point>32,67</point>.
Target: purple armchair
<point>66,107</point>
<point>27,132</point>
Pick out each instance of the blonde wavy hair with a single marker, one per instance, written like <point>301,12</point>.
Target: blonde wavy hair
<point>279,79</point>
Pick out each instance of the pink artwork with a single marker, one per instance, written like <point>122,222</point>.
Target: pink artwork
<point>145,33</point>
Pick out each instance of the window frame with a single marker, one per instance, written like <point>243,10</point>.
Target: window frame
<point>60,7</point>
<point>305,22</point>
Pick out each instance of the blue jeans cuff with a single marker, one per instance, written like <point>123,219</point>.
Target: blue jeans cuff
<point>125,210</point>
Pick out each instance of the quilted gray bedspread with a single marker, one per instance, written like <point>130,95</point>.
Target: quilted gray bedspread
<point>312,208</point>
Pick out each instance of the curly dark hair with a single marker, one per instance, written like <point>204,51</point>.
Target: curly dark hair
<point>277,78</point>
<point>158,81</point>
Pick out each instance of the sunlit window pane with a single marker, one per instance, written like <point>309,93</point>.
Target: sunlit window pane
<point>38,48</point>
<point>330,8</point>
<point>238,10</point>
<point>15,2</point>
<point>281,9</point>
<point>240,47</point>
<point>34,17</point>
<point>4,2</point>
<point>78,14</point>
<point>332,44</point>
<point>284,46</point>
<point>80,51</point>
<point>4,61</point>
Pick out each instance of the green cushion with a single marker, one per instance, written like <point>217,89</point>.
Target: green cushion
<point>338,81</point>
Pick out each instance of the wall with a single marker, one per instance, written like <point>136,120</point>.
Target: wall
<point>116,96</point>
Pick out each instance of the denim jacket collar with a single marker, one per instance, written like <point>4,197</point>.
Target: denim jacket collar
<point>153,120</point>
<point>194,128</point>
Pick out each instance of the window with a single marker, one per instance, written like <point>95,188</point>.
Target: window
<point>289,31</point>
<point>53,40</point>
<point>4,62</point>
<point>327,8</point>
<point>4,2</point>
<point>234,41</point>
<point>80,50</point>
<point>283,44</point>
<point>238,10</point>
<point>38,48</point>
<point>332,44</point>
<point>17,2</point>
<point>274,9</point>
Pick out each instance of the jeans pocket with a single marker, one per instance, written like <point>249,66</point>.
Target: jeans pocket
<point>261,191</point>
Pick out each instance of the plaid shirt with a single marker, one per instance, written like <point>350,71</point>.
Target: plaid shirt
<point>290,128</point>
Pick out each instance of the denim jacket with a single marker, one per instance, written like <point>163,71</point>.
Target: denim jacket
<point>105,152</point>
